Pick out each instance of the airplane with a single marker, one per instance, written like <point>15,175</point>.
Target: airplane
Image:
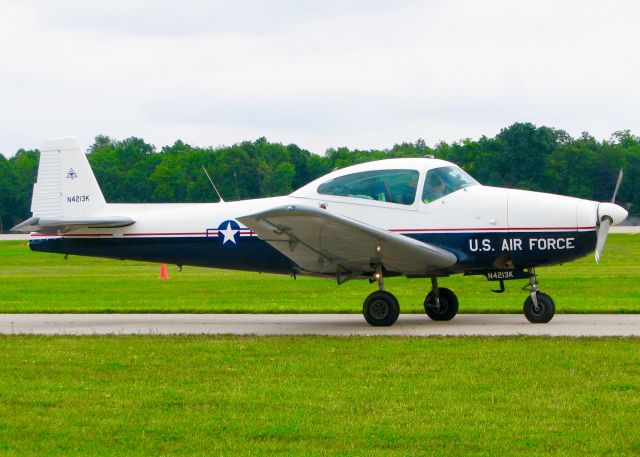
<point>412,217</point>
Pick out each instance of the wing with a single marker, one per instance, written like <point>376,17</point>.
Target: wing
<point>323,242</point>
<point>37,224</point>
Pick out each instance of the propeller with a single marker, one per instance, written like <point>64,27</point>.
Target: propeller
<point>608,214</point>
<point>615,192</point>
<point>603,231</point>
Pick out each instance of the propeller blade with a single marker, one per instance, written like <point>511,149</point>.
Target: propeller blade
<point>603,231</point>
<point>615,192</point>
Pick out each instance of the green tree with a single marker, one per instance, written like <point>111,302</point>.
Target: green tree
<point>280,181</point>
<point>525,150</point>
<point>25,169</point>
<point>521,155</point>
<point>7,203</point>
<point>120,168</point>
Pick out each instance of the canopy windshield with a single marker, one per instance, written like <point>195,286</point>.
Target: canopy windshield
<point>392,186</point>
<point>443,181</point>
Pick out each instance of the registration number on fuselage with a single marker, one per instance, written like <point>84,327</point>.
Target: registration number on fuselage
<point>519,244</point>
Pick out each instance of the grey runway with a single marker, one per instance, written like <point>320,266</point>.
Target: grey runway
<point>315,324</point>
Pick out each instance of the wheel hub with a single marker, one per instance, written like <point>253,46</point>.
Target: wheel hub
<point>379,309</point>
<point>439,308</point>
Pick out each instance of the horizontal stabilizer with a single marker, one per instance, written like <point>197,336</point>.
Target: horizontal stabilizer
<point>37,224</point>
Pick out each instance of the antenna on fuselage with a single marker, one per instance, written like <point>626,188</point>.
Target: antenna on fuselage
<point>213,185</point>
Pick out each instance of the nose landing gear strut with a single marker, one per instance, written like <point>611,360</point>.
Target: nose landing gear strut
<point>539,307</point>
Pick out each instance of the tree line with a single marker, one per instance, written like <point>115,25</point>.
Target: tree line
<point>522,156</point>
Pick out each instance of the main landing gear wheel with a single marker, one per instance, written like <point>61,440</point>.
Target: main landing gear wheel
<point>448,305</point>
<point>381,309</point>
<point>542,313</point>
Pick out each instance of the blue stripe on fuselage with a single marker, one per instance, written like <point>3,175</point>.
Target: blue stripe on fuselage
<point>474,250</point>
<point>251,253</point>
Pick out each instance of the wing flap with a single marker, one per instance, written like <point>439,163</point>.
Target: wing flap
<point>323,242</point>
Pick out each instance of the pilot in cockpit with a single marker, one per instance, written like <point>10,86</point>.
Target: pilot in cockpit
<point>434,187</point>
<point>409,188</point>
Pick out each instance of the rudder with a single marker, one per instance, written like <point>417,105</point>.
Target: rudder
<point>66,187</point>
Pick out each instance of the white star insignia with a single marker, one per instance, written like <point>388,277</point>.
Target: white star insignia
<point>229,234</point>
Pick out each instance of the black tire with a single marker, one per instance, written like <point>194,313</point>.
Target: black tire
<point>545,312</point>
<point>381,309</point>
<point>448,305</point>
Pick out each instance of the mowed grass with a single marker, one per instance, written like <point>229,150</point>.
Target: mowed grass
<point>37,282</point>
<point>213,395</point>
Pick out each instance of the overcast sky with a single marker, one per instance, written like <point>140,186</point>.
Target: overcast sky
<point>363,74</point>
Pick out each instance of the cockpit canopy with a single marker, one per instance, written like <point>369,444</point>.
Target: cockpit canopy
<point>398,186</point>
<point>394,186</point>
<point>443,181</point>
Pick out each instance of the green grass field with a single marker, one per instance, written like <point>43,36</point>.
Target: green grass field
<point>217,395</point>
<point>36,282</point>
<point>154,395</point>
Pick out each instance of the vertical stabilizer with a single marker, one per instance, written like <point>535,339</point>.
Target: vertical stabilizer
<point>66,187</point>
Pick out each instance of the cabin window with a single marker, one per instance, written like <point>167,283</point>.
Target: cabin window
<point>393,186</point>
<point>443,181</point>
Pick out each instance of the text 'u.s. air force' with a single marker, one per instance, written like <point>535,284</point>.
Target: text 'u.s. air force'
<point>518,244</point>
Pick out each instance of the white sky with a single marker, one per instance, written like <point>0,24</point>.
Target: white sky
<point>318,73</point>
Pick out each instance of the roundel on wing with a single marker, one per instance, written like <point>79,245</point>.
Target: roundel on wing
<point>229,233</point>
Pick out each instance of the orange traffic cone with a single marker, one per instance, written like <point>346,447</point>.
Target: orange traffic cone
<point>163,271</point>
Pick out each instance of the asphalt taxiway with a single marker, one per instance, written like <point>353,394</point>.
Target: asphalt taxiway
<point>315,324</point>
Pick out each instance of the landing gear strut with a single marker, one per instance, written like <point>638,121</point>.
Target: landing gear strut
<point>381,308</point>
<point>538,308</point>
<point>441,303</point>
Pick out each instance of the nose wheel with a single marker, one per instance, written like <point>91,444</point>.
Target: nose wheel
<point>539,307</point>
<point>541,311</point>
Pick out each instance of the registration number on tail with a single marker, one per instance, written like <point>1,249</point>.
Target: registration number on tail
<point>78,199</point>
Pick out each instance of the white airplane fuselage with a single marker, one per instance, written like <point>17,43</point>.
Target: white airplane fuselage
<point>485,227</point>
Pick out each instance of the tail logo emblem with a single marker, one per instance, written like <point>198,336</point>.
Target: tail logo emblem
<point>72,174</point>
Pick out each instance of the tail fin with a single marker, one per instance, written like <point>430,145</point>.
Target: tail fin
<point>66,187</point>
<point>66,195</point>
